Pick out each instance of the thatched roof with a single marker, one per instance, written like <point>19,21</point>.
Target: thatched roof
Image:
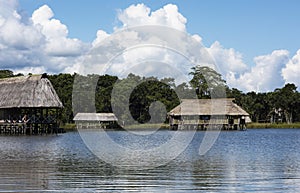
<point>95,117</point>
<point>208,107</point>
<point>28,92</point>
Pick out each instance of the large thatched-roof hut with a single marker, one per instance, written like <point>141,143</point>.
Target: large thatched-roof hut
<point>32,91</point>
<point>32,95</point>
<point>201,112</point>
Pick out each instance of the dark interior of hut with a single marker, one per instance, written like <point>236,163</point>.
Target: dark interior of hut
<point>34,121</point>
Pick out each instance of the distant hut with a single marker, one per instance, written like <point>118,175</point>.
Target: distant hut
<point>95,120</point>
<point>33,95</point>
<point>199,113</point>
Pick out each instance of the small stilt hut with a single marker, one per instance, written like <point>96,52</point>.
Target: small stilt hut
<point>33,96</point>
<point>94,120</point>
<point>201,113</point>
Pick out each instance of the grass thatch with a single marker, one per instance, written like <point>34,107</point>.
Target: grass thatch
<point>95,117</point>
<point>223,106</point>
<point>28,92</point>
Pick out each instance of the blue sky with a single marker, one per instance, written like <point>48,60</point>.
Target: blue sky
<point>249,36</point>
<point>253,27</point>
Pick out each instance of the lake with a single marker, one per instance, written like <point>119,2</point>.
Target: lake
<point>257,160</point>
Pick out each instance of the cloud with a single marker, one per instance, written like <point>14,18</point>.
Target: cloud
<point>291,72</point>
<point>13,33</point>
<point>51,28</point>
<point>57,42</point>
<point>227,60</point>
<point>19,42</point>
<point>264,76</point>
<point>8,8</point>
<point>101,35</point>
<point>140,14</point>
<point>37,43</point>
<point>140,43</point>
<point>31,69</point>
<point>137,49</point>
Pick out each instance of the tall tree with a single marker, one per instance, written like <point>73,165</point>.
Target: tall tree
<point>103,93</point>
<point>207,82</point>
<point>63,85</point>
<point>286,99</point>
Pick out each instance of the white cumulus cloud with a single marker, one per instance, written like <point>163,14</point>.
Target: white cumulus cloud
<point>37,43</point>
<point>101,35</point>
<point>291,72</point>
<point>13,33</point>
<point>56,33</point>
<point>122,41</point>
<point>52,28</point>
<point>264,76</point>
<point>140,14</point>
<point>228,60</point>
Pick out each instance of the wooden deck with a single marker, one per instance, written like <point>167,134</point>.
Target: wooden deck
<point>214,124</point>
<point>29,129</point>
<point>204,127</point>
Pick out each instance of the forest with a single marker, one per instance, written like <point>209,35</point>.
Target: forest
<point>280,105</point>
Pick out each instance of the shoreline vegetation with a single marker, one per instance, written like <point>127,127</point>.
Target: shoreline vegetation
<point>72,127</point>
<point>281,105</point>
<point>273,125</point>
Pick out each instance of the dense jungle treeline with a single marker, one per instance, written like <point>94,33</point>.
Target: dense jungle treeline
<point>111,94</point>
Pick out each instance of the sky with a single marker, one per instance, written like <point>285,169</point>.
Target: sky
<point>255,44</point>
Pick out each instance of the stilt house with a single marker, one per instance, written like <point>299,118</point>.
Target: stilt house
<point>201,113</point>
<point>32,95</point>
<point>94,120</point>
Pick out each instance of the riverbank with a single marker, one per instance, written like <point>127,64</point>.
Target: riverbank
<point>273,125</point>
<point>69,127</point>
<point>148,126</point>
<point>249,125</point>
<point>72,127</point>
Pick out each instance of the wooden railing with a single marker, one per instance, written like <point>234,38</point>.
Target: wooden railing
<point>201,122</point>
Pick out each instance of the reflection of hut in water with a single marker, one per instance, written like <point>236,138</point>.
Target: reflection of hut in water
<point>95,120</point>
<point>32,95</point>
<point>202,113</point>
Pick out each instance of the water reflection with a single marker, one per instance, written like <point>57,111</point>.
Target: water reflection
<point>256,160</point>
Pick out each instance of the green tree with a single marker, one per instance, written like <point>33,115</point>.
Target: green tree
<point>63,85</point>
<point>286,99</point>
<point>103,93</point>
<point>147,93</point>
<point>8,74</point>
<point>207,82</point>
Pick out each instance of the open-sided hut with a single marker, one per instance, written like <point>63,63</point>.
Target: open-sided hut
<point>95,120</point>
<point>32,95</point>
<point>199,113</point>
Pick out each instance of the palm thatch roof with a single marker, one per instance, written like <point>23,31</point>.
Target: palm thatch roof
<point>104,117</point>
<point>32,91</point>
<point>223,106</point>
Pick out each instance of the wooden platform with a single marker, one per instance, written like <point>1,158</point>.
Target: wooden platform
<point>204,127</point>
<point>30,129</point>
